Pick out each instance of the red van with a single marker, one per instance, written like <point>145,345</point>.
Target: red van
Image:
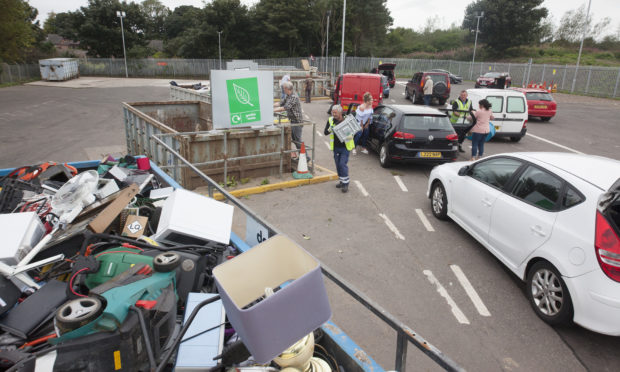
<point>350,88</point>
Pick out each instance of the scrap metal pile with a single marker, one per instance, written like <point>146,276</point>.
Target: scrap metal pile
<point>104,267</point>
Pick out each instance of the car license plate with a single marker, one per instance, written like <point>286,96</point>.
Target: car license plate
<point>496,127</point>
<point>540,106</point>
<point>483,83</point>
<point>430,154</point>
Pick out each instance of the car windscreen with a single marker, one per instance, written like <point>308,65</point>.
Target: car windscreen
<point>492,74</point>
<point>437,77</point>
<point>426,122</point>
<point>538,96</point>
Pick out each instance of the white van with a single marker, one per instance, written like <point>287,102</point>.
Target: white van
<point>509,108</point>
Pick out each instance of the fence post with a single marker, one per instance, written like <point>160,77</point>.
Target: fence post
<point>542,79</point>
<point>564,75</point>
<point>589,75</point>
<point>19,73</point>
<point>8,68</point>
<point>617,81</point>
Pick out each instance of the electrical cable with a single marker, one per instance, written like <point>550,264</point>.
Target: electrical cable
<point>71,282</point>
<point>38,341</point>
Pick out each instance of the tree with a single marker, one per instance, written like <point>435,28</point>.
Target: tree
<point>17,32</point>
<point>506,23</point>
<point>368,23</point>
<point>573,22</point>
<point>155,13</point>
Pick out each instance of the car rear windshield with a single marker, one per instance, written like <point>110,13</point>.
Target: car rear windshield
<point>492,74</point>
<point>610,206</point>
<point>438,77</point>
<point>426,122</point>
<point>538,96</point>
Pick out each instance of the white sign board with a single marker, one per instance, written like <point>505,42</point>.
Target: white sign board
<point>241,98</point>
<point>255,233</point>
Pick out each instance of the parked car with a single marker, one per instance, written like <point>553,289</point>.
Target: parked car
<point>553,219</point>
<point>408,133</point>
<point>499,80</point>
<point>387,69</point>
<point>540,103</point>
<point>441,87</point>
<point>350,89</point>
<point>509,108</point>
<point>454,79</point>
<point>385,85</point>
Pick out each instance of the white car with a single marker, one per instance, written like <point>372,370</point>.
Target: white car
<point>553,219</point>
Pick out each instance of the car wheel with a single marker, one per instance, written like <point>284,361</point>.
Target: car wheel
<point>439,201</point>
<point>548,294</point>
<point>413,98</point>
<point>384,158</point>
<point>516,139</point>
<point>406,94</point>
<point>545,119</point>
<point>442,101</point>
<point>77,313</point>
<point>166,261</point>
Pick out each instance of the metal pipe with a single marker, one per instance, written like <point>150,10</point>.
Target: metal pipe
<point>473,59</point>
<point>583,36</point>
<point>219,46</point>
<point>401,352</point>
<point>329,12</point>
<point>211,162</point>
<point>147,339</point>
<point>225,160</point>
<point>121,15</point>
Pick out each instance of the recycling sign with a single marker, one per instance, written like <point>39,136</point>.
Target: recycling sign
<point>241,98</point>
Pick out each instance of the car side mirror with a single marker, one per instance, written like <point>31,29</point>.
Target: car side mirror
<point>464,171</point>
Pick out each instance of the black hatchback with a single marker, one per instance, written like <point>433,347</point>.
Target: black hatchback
<point>412,134</point>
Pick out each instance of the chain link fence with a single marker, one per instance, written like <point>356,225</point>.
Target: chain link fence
<point>589,80</point>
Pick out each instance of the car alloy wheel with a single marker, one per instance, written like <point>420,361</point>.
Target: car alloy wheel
<point>548,294</point>
<point>383,156</point>
<point>439,201</point>
<point>413,99</point>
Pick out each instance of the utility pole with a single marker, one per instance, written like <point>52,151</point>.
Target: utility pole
<point>471,70</point>
<point>583,36</point>
<point>329,12</point>
<point>122,15</point>
<point>219,46</point>
<point>344,13</point>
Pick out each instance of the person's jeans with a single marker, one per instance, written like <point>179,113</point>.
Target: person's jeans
<point>282,94</point>
<point>427,99</point>
<point>341,158</point>
<point>308,96</point>
<point>477,144</point>
<point>296,135</point>
<point>361,137</point>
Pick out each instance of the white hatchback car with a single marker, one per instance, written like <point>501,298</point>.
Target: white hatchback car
<point>553,219</point>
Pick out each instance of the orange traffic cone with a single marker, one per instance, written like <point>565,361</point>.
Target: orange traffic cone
<point>302,165</point>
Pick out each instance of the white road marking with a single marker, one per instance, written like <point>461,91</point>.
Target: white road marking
<point>401,184</point>
<point>401,83</point>
<point>424,220</point>
<point>319,133</point>
<point>456,311</point>
<point>327,144</point>
<point>391,226</point>
<point>306,116</point>
<point>471,292</point>
<point>391,99</point>
<point>554,143</point>
<point>361,187</point>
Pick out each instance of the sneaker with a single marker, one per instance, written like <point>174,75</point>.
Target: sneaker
<point>461,149</point>
<point>345,187</point>
<point>354,152</point>
<point>339,185</point>
<point>364,151</point>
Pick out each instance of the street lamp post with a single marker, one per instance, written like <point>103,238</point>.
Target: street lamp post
<point>471,70</point>
<point>329,12</point>
<point>344,13</point>
<point>219,46</point>
<point>583,36</point>
<point>122,15</point>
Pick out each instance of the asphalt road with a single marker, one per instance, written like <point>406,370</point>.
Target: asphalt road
<point>381,236</point>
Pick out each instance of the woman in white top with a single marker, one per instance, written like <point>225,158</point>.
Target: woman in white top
<point>363,114</point>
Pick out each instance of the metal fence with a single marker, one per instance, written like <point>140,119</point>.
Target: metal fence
<point>18,73</point>
<point>589,80</point>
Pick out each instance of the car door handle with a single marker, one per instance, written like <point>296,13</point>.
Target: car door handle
<point>486,202</point>
<point>538,230</point>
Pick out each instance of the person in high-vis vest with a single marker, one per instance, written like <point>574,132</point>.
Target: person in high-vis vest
<point>341,149</point>
<point>461,108</point>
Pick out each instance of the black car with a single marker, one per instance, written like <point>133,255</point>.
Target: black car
<point>412,134</point>
<point>454,79</point>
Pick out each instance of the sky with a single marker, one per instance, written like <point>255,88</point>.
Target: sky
<point>406,13</point>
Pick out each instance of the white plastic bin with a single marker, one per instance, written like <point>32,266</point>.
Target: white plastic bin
<point>59,69</point>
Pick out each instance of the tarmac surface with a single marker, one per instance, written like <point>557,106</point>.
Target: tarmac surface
<point>380,236</point>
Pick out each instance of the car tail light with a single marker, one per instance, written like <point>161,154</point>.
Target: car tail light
<point>452,137</point>
<point>422,84</point>
<point>524,124</point>
<point>607,247</point>
<point>448,83</point>
<point>403,135</point>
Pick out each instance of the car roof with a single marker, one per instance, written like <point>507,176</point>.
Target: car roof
<point>434,72</point>
<point>530,90</point>
<point>416,109</point>
<point>494,92</point>
<point>599,171</point>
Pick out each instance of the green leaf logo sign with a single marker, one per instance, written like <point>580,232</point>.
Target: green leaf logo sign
<point>242,95</point>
